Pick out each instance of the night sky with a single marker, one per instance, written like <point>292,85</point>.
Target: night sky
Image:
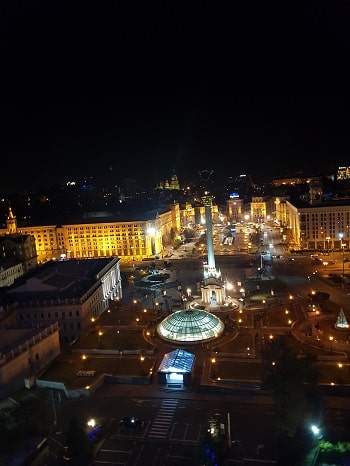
<point>140,89</point>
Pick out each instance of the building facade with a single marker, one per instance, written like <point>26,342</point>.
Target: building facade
<point>323,225</point>
<point>138,237</point>
<point>72,293</point>
<point>17,256</point>
<point>127,239</point>
<point>25,353</point>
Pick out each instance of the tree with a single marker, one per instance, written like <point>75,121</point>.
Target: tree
<point>293,383</point>
<point>213,450</point>
<point>79,444</point>
<point>318,297</point>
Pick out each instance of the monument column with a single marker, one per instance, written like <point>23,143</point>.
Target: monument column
<point>207,200</point>
<point>213,292</point>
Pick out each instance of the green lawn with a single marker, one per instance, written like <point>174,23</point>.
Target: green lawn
<point>112,338</point>
<point>66,370</point>
<point>251,370</point>
<point>233,369</point>
<point>239,344</point>
<point>133,366</point>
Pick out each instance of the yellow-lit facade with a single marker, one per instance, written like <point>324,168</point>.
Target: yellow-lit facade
<point>132,240</point>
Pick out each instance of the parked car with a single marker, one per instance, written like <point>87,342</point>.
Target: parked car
<point>133,422</point>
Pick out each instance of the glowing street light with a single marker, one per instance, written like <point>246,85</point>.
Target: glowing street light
<point>340,365</point>
<point>341,235</point>
<point>331,342</point>
<point>213,372</point>
<point>316,431</point>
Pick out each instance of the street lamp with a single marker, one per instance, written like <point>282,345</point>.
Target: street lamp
<point>316,432</point>
<point>179,289</point>
<point>340,365</point>
<point>213,372</point>
<point>331,342</point>
<point>341,235</point>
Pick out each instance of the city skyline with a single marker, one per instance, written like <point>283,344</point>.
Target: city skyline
<point>141,91</point>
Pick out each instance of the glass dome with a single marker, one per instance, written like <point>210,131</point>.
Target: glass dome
<point>190,325</point>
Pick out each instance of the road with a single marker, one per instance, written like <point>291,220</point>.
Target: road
<point>175,424</point>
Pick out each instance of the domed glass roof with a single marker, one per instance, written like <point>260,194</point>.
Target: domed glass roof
<point>190,325</point>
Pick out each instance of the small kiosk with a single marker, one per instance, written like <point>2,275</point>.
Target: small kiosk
<point>176,368</point>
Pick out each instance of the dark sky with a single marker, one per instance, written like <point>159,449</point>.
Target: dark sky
<point>140,89</point>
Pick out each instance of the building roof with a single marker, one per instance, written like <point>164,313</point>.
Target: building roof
<point>190,325</point>
<point>59,279</point>
<point>177,361</point>
<point>13,337</point>
<point>126,213</point>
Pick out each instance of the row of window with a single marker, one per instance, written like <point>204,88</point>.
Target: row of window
<point>65,326</point>
<point>50,315</point>
<point>101,240</point>
<point>106,227</point>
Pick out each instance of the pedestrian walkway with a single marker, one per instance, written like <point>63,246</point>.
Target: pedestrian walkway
<point>162,422</point>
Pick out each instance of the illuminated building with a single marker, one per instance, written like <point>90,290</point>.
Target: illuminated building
<point>132,237</point>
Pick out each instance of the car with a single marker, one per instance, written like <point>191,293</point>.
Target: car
<point>133,422</point>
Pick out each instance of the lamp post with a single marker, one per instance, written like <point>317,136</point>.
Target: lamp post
<point>341,235</point>
<point>142,358</point>
<point>93,323</point>
<point>340,365</point>
<point>53,409</point>
<point>331,342</point>
<point>213,372</point>
<point>229,443</point>
<point>179,289</point>
<point>316,432</point>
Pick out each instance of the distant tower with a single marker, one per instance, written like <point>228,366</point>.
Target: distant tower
<point>174,184</point>
<point>213,291</point>
<point>11,222</point>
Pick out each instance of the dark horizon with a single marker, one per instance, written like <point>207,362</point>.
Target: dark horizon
<point>139,91</point>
